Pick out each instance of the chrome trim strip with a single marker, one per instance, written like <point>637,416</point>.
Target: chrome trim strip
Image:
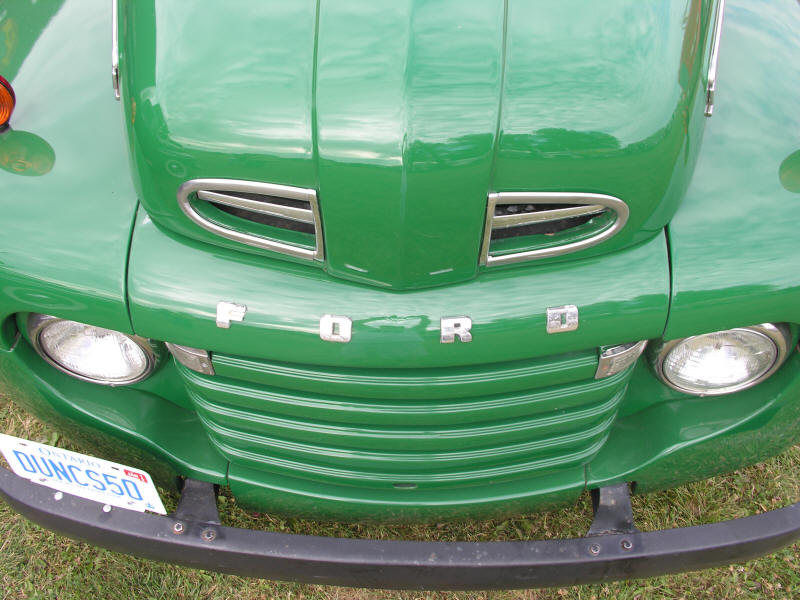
<point>37,322</point>
<point>115,48</point>
<point>545,216</point>
<point>195,359</point>
<point>778,333</point>
<point>263,207</point>
<point>714,58</point>
<point>614,359</point>
<point>268,189</point>
<point>591,200</point>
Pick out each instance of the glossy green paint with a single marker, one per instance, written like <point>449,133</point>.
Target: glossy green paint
<point>698,437</point>
<point>314,500</point>
<point>604,98</point>
<point>622,297</point>
<point>407,106</point>
<point>66,200</point>
<point>431,456</point>
<point>404,121</point>
<point>664,441</point>
<point>341,411</point>
<point>229,97</point>
<point>134,425</point>
<point>735,243</point>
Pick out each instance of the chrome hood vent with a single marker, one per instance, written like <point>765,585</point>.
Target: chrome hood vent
<point>529,225</point>
<point>275,217</point>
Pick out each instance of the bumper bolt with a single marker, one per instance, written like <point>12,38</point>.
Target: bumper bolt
<point>178,528</point>
<point>58,496</point>
<point>208,535</point>
<point>106,508</point>
<point>594,548</point>
<point>627,544</point>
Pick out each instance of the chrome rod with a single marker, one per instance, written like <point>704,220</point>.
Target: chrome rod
<point>545,216</point>
<point>714,59</point>
<point>265,208</point>
<point>115,48</point>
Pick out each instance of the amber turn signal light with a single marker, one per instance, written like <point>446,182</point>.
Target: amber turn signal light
<point>7,101</point>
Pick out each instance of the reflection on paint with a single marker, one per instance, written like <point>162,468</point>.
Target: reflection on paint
<point>789,172</point>
<point>25,153</point>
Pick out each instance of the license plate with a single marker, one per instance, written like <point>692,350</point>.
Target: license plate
<point>81,475</point>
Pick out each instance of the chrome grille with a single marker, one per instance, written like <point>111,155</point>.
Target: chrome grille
<point>547,224</point>
<point>274,217</point>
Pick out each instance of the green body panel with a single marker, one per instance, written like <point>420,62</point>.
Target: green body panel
<point>406,115</point>
<point>404,121</point>
<point>449,448</point>
<point>197,105</point>
<point>131,425</point>
<point>661,438</point>
<point>698,437</point>
<point>605,98</point>
<point>175,287</point>
<point>735,243</point>
<point>66,201</point>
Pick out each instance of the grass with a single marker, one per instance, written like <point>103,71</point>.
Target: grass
<point>36,563</point>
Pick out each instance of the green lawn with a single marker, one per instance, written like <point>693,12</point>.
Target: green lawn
<point>35,563</point>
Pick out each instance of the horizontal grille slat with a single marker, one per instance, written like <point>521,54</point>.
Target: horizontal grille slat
<point>321,452</point>
<point>424,437</point>
<point>411,384</point>
<point>419,413</point>
<point>427,471</point>
<point>431,427</point>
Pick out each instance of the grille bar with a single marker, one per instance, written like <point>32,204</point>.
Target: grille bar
<point>260,199</point>
<point>388,475</point>
<point>546,216</point>
<point>225,395</point>
<point>435,427</point>
<point>584,221</point>
<point>259,206</point>
<point>408,384</point>
<point>417,439</point>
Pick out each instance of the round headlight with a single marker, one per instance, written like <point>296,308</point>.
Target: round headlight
<point>91,353</point>
<point>724,361</point>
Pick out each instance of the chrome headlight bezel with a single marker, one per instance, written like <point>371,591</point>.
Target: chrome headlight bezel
<point>778,333</point>
<point>37,323</point>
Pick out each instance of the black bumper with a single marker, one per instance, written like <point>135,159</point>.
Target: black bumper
<point>193,537</point>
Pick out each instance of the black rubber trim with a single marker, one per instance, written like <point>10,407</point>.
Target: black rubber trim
<point>399,564</point>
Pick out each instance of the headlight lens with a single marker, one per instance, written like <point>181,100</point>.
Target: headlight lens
<point>724,361</point>
<point>91,353</point>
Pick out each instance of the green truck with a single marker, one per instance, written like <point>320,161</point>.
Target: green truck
<point>403,262</point>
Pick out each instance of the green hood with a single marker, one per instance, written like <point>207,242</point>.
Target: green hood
<point>404,115</point>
